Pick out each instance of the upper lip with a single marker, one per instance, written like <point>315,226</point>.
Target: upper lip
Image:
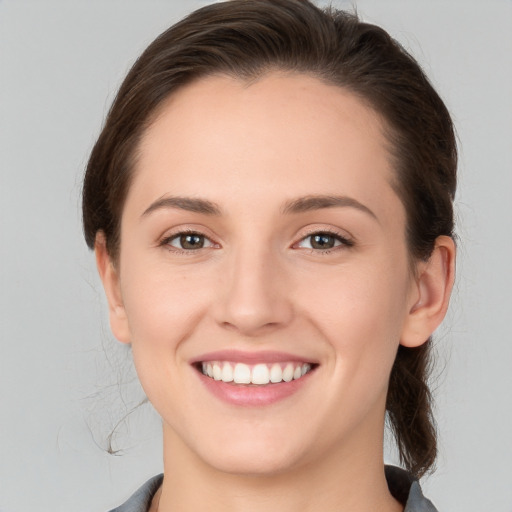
<point>238,356</point>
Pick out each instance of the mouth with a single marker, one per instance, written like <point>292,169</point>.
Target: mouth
<point>254,379</point>
<point>259,374</point>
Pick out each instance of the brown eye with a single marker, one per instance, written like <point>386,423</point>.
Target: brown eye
<point>323,241</point>
<point>192,241</point>
<point>189,241</point>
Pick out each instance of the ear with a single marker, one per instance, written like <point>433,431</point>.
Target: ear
<point>110,277</point>
<point>431,294</point>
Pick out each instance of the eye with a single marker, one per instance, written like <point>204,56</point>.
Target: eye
<point>188,241</point>
<point>323,241</point>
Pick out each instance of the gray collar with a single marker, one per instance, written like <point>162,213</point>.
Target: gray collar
<point>407,490</point>
<point>401,484</point>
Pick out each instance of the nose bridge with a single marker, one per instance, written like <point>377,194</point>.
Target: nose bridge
<point>255,297</point>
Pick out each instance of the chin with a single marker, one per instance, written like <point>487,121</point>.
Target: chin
<point>252,458</point>
<point>256,466</point>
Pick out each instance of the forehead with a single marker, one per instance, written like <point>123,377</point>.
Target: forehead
<point>280,136</point>
<point>274,100</point>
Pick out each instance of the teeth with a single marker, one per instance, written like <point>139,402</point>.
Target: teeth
<point>242,374</point>
<point>227,373</point>
<point>217,372</point>
<point>259,374</point>
<point>276,373</point>
<point>288,372</point>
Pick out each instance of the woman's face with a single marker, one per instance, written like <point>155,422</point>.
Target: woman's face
<point>261,240</point>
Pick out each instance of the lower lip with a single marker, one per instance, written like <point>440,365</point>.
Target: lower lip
<point>251,395</point>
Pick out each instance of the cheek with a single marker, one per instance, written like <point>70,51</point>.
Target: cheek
<point>163,308</point>
<point>162,305</point>
<point>360,310</point>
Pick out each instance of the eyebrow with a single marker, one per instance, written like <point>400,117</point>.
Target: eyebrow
<point>190,204</point>
<point>318,202</point>
<point>299,205</point>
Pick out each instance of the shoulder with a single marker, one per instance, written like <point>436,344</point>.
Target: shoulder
<point>140,501</point>
<point>407,490</point>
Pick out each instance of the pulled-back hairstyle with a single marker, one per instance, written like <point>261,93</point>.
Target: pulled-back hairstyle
<point>246,39</point>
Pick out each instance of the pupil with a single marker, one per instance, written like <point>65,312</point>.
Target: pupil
<point>322,242</point>
<point>191,241</point>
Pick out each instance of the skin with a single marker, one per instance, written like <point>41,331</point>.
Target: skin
<point>258,284</point>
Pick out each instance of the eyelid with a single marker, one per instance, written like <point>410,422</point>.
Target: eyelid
<point>179,231</point>
<point>345,239</point>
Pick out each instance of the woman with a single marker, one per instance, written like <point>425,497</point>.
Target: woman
<point>270,203</point>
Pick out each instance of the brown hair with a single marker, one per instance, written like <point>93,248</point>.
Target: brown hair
<point>247,38</point>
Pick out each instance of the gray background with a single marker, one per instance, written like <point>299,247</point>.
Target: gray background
<point>64,382</point>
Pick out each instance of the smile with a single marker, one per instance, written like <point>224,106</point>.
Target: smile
<point>260,374</point>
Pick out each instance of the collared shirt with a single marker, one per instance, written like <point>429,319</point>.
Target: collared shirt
<point>401,485</point>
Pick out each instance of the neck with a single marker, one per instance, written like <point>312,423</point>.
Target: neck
<point>339,482</point>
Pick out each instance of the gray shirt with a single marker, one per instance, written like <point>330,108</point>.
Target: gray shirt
<point>401,485</point>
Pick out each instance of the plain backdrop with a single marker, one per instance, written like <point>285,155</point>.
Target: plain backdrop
<point>65,382</point>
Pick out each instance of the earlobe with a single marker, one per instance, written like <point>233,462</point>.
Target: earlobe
<point>110,278</point>
<point>433,286</point>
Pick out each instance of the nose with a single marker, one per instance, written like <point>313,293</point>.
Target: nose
<point>255,298</point>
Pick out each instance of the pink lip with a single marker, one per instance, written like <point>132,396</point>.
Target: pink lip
<point>250,395</point>
<point>247,394</point>
<point>238,356</point>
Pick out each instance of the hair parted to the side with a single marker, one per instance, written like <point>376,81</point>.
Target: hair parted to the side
<point>246,39</point>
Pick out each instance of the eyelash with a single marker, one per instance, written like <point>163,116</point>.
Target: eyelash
<point>344,242</point>
<point>166,242</point>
